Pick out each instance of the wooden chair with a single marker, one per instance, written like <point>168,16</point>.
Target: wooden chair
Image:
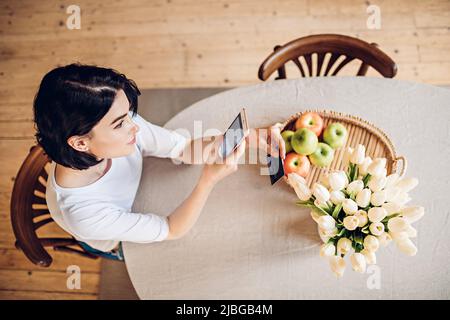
<point>336,45</point>
<point>29,212</point>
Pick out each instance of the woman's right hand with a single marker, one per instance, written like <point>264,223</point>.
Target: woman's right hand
<point>216,168</point>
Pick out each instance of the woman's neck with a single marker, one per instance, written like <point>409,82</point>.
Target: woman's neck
<point>73,178</point>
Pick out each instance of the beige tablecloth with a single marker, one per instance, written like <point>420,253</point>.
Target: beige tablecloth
<point>252,242</point>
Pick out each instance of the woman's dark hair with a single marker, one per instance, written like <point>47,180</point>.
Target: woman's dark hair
<point>70,101</point>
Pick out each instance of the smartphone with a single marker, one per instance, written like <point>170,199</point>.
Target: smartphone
<point>235,134</point>
<point>276,168</point>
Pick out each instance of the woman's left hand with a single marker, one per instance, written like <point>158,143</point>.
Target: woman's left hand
<point>271,141</point>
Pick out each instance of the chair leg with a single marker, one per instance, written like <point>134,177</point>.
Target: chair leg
<point>363,69</point>
<point>281,73</point>
<point>78,252</point>
<point>282,69</point>
<point>57,242</point>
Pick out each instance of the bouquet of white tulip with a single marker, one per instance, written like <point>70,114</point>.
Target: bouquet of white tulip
<point>360,209</point>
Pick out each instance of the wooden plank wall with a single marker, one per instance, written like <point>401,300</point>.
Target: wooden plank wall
<point>174,44</point>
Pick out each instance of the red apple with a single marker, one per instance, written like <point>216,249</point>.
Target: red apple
<point>311,121</point>
<point>296,163</point>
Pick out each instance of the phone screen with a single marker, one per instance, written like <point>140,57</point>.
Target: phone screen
<point>232,137</point>
<point>276,169</point>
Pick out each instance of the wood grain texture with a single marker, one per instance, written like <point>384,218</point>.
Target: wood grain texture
<point>42,295</point>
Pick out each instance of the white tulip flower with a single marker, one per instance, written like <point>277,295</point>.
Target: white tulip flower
<point>362,168</point>
<point>411,232</point>
<point>371,243</point>
<point>407,247</point>
<point>329,232</point>
<point>346,157</point>
<point>344,245</point>
<point>358,155</point>
<point>377,183</point>
<point>398,224</point>
<point>362,217</point>
<point>391,207</point>
<point>327,250</point>
<point>358,261</point>
<point>398,236</point>
<point>294,178</point>
<point>323,180</point>
<point>337,180</point>
<point>337,265</point>
<point>349,206</point>
<point>363,198</point>
<point>377,214</point>
<point>376,168</point>
<point>407,184</point>
<point>391,180</point>
<point>323,234</point>
<point>378,198</point>
<point>300,186</point>
<point>412,214</point>
<point>401,199</point>
<point>355,186</point>
<point>319,204</point>
<point>321,193</point>
<point>384,239</point>
<point>392,193</point>
<point>370,256</point>
<point>326,222</point>
<point>351,222</point>
<point>337,197</point>
<point>376,228</point>
<point>315,216</point>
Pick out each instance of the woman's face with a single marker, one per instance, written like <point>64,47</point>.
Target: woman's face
<point>115,134</point>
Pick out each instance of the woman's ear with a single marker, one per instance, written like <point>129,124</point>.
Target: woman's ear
<point>79,143</point>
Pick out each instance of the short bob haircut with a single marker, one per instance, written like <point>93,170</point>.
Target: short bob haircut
<point>70,101</point>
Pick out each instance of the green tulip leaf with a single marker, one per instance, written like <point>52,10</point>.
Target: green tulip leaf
<point>336,210</point>
<point>341,232</point>
<point>320,211</point>
<point>355,173</point>
<point>385,220</point>
<point>366,179</point>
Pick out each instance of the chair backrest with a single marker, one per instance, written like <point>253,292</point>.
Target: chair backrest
<point>335,46</point>
<point>29,211</point>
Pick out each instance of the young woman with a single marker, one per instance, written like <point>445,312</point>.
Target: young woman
<point>87,123</point>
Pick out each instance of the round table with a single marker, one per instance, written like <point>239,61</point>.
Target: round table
<point>252,242</point>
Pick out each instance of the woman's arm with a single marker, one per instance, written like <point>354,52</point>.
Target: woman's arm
<point>186,215</point>
<point>193,151</point>
<point>267,140</point>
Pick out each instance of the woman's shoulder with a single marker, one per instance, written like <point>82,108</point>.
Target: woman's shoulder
<point>67,178</point>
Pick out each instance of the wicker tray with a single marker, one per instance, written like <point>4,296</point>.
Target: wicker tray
<point>377,143</point>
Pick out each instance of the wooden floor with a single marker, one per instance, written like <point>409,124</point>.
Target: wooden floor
<point>171,43</point>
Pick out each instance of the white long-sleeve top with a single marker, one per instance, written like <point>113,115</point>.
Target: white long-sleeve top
<point>100,213</point>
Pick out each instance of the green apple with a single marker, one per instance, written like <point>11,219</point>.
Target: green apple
<point>335,135</point>
<point>323,155</point>
<point>287,136</point>
<point>304,141</point>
